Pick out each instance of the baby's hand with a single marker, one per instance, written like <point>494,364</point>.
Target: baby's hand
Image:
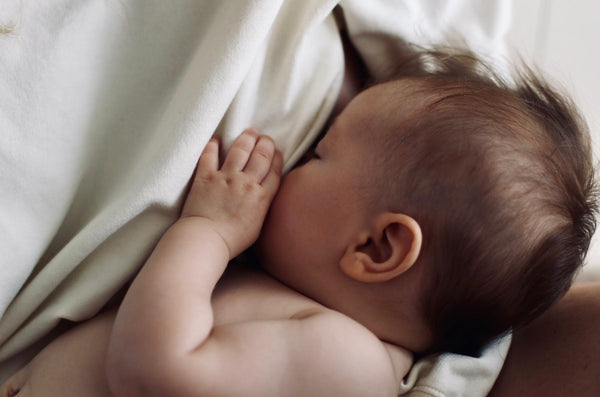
<point>235,199</point>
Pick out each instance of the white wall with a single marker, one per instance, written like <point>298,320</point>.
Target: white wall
<point>562,37</point>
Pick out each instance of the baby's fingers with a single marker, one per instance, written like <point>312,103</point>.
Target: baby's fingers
<point>271,181</point>
<point>209,159</point>
<point>238,154</point>
<point>261,158</point>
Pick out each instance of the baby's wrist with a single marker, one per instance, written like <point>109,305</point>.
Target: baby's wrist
<point>205,228</point>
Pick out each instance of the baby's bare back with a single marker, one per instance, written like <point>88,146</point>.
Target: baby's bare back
<point>73,365</point>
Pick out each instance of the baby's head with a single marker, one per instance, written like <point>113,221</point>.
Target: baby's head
<point>441,208</point>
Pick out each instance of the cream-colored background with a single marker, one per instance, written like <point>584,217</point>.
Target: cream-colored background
<point>563,38</point>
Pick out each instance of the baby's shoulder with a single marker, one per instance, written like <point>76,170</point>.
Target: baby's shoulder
<point>323,337</point>
<point>333,340</point>
<point>246,294</point>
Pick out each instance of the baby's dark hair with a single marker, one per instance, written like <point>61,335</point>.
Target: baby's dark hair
<point>500,177</point>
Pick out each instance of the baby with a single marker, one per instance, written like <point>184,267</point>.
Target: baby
<point>438,211</point>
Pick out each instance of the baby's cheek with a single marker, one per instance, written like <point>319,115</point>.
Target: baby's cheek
<point>270,237</point>
<point>278,238</point>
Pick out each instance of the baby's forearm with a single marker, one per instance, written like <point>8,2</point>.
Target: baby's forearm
<point>167,310</point>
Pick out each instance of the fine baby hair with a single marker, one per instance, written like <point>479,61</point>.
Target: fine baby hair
<point>499,176</point>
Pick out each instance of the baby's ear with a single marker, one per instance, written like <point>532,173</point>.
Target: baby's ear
<point>387,250</point>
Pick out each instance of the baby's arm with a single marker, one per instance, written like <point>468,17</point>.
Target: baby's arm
<point>167,312</point>
<point>163,342</point>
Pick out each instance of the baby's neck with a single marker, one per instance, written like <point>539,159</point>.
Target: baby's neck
<point>363,303</point>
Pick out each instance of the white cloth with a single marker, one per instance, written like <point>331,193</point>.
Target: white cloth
<point>379,27</point>
<point>105,107</point>
<point>455,375</point>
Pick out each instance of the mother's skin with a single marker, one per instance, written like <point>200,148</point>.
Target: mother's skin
<point>558,354</point>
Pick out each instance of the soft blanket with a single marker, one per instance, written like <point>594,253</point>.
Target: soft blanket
<point>105,106</point>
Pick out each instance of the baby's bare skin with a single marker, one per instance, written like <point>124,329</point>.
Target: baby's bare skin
<point>73,365</point>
